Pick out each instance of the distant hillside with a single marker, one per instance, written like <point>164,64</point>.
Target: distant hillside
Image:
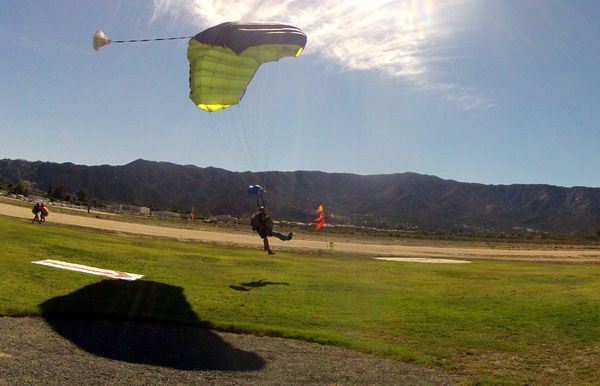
<point>407,200</point>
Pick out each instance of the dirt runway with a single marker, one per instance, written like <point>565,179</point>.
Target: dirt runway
<point>572,255</point>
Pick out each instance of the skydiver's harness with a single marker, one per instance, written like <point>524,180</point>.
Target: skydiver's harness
<point>264,227</point>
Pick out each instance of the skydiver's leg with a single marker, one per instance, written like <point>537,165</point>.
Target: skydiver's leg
<point>263,235</point>
<point>267,247</point>
<point>283,237</point>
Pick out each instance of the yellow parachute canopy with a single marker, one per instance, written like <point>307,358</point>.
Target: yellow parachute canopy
<point>224,58</point>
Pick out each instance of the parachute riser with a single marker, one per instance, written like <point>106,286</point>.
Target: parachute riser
<point>260,199</point>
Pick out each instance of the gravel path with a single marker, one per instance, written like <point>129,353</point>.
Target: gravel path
<point>100,352</point>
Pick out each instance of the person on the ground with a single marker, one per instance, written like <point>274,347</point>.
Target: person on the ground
<point>263,224</point>
<point>43,212</point>
<point>36,211</point>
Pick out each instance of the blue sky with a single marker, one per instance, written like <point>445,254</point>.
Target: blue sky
<point>494,92</point>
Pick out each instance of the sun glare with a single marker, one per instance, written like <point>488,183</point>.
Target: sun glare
<point>391,38</point>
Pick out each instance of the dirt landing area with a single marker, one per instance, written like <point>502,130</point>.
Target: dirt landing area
<point>574,255</point>
<point>423,260</point>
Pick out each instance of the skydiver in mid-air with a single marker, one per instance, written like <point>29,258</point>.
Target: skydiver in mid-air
<point>263,224</point>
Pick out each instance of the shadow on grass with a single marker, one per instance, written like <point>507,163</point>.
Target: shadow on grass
<point>255,284</point>
<point>239,288</point>
<point>122,320</point>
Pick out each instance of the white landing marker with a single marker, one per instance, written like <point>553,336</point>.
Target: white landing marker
<point>423,260</point>
<point>91,270</point>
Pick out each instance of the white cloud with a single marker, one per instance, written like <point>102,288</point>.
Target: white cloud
<point>397,38</point>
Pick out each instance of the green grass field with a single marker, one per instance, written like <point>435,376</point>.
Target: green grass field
<point>494,322</point>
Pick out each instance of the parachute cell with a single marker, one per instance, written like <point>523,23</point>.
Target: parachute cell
<point>224,58</point>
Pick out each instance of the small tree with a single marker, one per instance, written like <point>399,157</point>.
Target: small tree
<point>21,188</point>
<point>83,196</point>
<point>58,192</point>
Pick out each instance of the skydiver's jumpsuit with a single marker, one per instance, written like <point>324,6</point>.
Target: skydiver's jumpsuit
<point>263,225</point>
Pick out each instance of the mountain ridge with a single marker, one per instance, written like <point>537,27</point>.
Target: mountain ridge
<point>405,200</point>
